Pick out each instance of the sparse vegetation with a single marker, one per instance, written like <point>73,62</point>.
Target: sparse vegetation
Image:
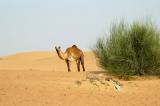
<point>130,49</point>
<point>78,82</point>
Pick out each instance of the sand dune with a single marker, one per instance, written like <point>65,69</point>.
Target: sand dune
<point>42,61</point>
<point>41,79</point>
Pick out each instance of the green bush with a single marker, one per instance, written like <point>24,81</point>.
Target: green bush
<point>130,49</point>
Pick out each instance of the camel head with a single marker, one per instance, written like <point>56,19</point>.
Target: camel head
<point>57,48</point>
<point>59,52</point>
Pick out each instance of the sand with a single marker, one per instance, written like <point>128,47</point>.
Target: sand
<point>41,79</point>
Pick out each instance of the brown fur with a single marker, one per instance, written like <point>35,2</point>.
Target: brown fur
<point>72,54</point>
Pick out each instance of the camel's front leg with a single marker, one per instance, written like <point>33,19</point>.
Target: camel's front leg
<point>68,65</point>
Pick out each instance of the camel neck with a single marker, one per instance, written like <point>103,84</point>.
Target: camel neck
<point>61,54</point>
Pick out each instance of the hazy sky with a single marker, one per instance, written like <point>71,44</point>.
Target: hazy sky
<point>39,25</point>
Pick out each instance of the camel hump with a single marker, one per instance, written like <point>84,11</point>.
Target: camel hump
<point>74,46</point>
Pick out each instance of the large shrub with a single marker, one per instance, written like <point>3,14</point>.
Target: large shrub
<point>130,49</point>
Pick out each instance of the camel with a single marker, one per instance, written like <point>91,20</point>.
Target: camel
<point>71,54</point>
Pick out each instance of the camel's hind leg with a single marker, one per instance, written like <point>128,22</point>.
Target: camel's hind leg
<point>82,63</point>
<point>68,65</point>
<point>78,65</point>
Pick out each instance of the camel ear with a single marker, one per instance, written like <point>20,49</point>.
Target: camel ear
<point>55,47</point>
<point>59,47</point>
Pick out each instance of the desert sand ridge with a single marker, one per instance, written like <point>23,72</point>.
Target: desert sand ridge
<point>42,79</point>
